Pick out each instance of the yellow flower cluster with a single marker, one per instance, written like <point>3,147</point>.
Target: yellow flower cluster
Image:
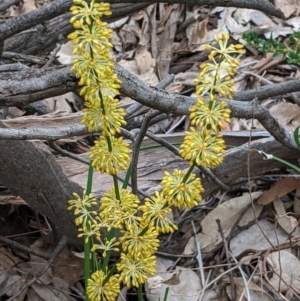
<point>94,66</point>
<point>203,145</point>
<point>101,289</point>
<point>139,225</point>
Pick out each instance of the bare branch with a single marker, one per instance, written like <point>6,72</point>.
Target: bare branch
<point>43,133</point>
<point>58,7</point>
<point>269,91</point>
<point>40,84</point>
<point>37,84</point>
<point>5,4</point>
<point>38,16</point>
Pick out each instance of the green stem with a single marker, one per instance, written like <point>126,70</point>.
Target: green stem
<point>166,293</point>
<point>116,185</point>
<point>87,248</point>
<point>90,179</point>
<point>111,235</point>
<point>127,178</point>
<point>186,177</point>
<point>140,293</point>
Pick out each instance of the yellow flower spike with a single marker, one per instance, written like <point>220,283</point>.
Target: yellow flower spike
<point>182,194</point>
<point>135,270</point>
<point>101,288</point>
<point>121,211</point>
<point>203,148</point>
<point>138,240</point>
<point>156,212</point>
<point>108,120</point>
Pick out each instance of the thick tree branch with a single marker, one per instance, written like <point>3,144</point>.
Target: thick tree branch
<point>39,84</point>
<point>43,38</point>
<point>38,16</point>
<point>43,133</point>
<point>58,7</point>
<point>269,91</point>
<point>5,4</point>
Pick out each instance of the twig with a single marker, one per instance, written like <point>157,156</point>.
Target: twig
<point>161,85</point>
<point>13,67</point>
<point>244,279</point>
<point>163,142</point>
<point>244,260</point>
<point>24,248</point>
<point>136,148</point>
<point>54,254</point>
<point>27,58</point>
<point>206,286</point>
<point>211,175</point>
<point>233,292</point>
<point>199,256</point>
<point>43,133</point>
<point>272,291</point>
<point>53,56</point>
<point>169,255</point>
<point>170,130</point>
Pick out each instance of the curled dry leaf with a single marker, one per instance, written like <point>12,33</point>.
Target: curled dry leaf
<point>184,284</point>
<point>288,223</point>
<point>286,265</point>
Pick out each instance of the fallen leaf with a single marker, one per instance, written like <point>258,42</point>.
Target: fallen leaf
<point>184,284</point>
<point>280,189</point>
<point>257,293</point>
<point>288,223</point>
<point>287,266</point>
<point>288,7</point>
<point>144,60</point>
<point>228,213</point>
<point>253,238</point>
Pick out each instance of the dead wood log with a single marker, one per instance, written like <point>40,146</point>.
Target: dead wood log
<point>46,182</point>
<point>31,172</point>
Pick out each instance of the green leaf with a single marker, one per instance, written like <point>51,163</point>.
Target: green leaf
<point>296,136</point>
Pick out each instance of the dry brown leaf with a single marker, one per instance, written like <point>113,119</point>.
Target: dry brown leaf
<point>228,213</point>
<point>149,77</point>
<point>257,293</point>
<point>68,267</point>
<point>166,41</point>
<point>10,284</point>
<point>254,238</point>
<point>7,260</point>
<point>144,60</point>
<point>287,266</point>
<point>288,223</point>
<point>288,7</point>
<point>196,33</point>
<point>184,284</point>
<point>280,189</point>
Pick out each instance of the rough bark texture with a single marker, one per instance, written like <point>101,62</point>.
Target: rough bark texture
<point>31,172</point>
